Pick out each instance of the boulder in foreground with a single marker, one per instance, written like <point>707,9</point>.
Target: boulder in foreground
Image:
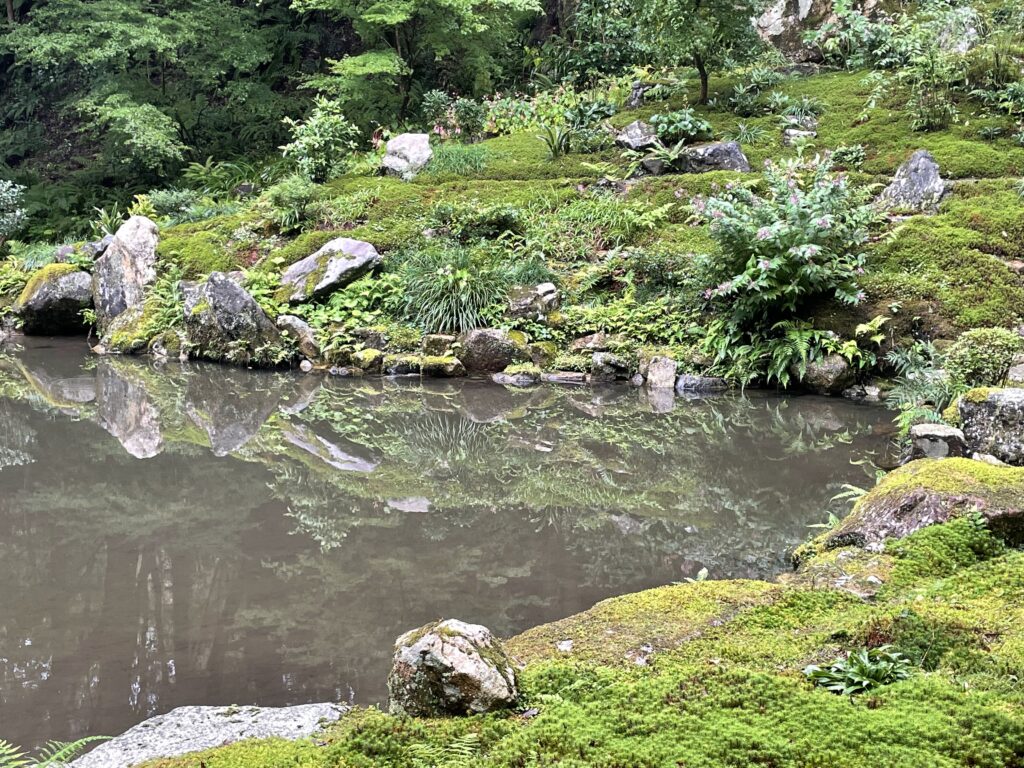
<point>931,491</point>
<point>451,668</point>
<point>192,729</point>
<point>917,185</point>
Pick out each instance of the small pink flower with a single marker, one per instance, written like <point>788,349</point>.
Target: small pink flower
<point>860,296</point>
<point>860,270</point>
<point>764,233</point>
<point>813,250</point>
<point>708,293</point>
<point>824,223</point>
<point>764,264</point>
<point>717,215</point>
<point>794,200</point>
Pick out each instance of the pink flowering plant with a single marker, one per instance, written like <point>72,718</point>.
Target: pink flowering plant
<point>802,241</point>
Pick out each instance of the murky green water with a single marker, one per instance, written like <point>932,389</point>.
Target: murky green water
<point>204,535</point>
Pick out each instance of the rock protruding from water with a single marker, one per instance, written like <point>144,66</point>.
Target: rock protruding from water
<point>125,271</point>
<point>223,322</point>
<point>917,185</point>
<point>636,136</point>
<point>338,263</point>
<point>406,154</point>
<point>828,375</point>
<point>193,729</point>
<point>451,668</point>
<point>489,350</point>
<point>936,441</point>
<point>700,385</point>
<point>993,423</point>
<point>53,301</point>
<point>661,373</point>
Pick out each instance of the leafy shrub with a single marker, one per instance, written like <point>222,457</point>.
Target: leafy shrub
<point>982,357</point>
<point>470,220</point>
<point>589,112</point>
<point>172,203</point>
<point>290,200</point>
<point>461,117</point>
<point>447,288</point>
<point>861,671</point>
<point>849,156</point>
<point>803,240</point>
<point>557,139</point>
<point>682,125</point>
<point>322,143</point>
<point>12,213</point>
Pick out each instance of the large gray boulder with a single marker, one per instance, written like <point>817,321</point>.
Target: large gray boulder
<point>784,22</point>
<point>193,729</point>
<point>451,668</point>
<point>125,270</point>
<point>224,323</point>
<point>917,185</point>
<point>406,154</point>
<point>489,350</point>
<point>716,156</point>
<point>52,302</point>
<point>993,423</point>
<point>335,265</point>
<point>661,373</point>
<point>636,136</point>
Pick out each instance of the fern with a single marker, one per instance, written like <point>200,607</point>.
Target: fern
<point>55,754</point>
<point>458,753</point>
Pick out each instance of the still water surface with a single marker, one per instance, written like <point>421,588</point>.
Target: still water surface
<point>206,535</point>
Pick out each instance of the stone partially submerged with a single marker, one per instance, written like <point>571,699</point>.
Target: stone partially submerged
<point>451,668</point>
<point>223,322</point>
<point>53,300</point>
<point>193,729</point>
<point>338,263</point>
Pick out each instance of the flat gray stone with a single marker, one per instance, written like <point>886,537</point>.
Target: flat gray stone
<point>193,729</point>
<point>338,263</point>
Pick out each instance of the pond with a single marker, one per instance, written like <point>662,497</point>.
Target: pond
<point>207,535</point>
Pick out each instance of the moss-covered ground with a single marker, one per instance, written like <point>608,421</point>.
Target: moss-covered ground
<point>625,258</point>
<point>710,674</point>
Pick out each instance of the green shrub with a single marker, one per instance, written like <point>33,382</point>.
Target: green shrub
<point>322,143</point>
<point>448,287</point>
<point>290,200</point>
<point>682,125</point>
<point>805,239</point>
<point>861,671</point>
<point>982,357</point>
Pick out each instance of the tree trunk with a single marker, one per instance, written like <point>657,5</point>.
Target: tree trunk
<point>702,70</point>
<point>10,11</point>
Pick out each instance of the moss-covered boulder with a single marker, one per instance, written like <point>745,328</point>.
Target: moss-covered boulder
<point>490,350</point>
<point>52,301</point>
<point>931,491</point>
<point>224,323</point>
<point>993,423</point>
<point>451,668</point>
<point>338,263</point>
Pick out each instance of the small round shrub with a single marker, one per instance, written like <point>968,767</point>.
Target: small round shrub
<point>982,357</point>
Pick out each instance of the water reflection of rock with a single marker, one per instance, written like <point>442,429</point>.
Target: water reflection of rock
<point>229,408</point>
<point>125,409</point>
<point>329,453</point>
